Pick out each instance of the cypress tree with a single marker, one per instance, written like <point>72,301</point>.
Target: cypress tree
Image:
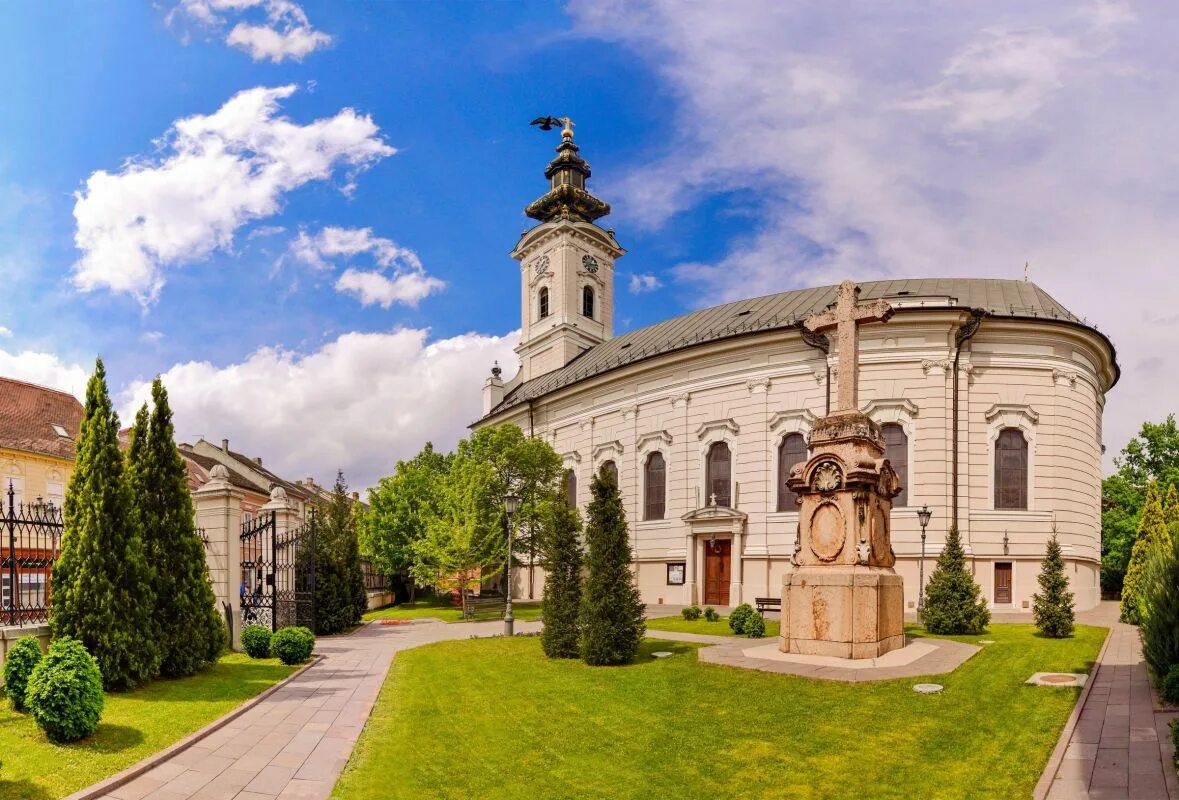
<point>1151,529</point>
<point>1159,624</point>
<point>1171,508</point>
<point>340,596</point>
<point>190,631</point>
<point>101,581</point>
<point>561,637</point>
<point>1053,606</point>
<point>612,611</point>
<point>953,604</point>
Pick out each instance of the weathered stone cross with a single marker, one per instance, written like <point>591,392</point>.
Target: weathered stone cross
<point>846,317</point>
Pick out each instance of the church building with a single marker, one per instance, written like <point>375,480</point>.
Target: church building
<point>989,394</point>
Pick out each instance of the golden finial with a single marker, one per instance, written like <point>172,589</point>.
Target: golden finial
<point>567,132</point>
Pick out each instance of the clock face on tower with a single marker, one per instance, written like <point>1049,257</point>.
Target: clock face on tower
<point>541,264</point>
<point>589,263</point>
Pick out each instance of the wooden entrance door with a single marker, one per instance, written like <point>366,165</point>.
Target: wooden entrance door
<point>1002,584</point>
<point>717,566</point>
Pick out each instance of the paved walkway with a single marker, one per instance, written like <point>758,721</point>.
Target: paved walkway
<point>295,743</point>
<point>1120,747</point>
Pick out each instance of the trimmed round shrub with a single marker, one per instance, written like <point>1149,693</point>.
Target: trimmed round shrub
<point>692,613</point>
<point>65,692</point>
<point>292,645</point>
<point>18,666</point>
<point>1170,686</point>
<point>256,641</point>
<point>755,626</point>
<point>740,614</point>
<point>710,614</point>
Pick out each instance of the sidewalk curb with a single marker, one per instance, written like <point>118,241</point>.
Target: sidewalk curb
<point>1044,785</point>
<point>132,772</point>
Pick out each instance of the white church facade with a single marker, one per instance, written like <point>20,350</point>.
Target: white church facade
<point>989,394</point>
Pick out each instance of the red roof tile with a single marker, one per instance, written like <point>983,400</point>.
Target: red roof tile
<point>28,414</point>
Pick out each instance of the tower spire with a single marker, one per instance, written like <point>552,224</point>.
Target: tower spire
<point>567,197</point>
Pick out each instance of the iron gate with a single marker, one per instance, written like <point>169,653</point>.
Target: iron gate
<point>30,543</point>
<point>278,573</point>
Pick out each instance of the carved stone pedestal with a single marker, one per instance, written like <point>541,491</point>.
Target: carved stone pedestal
<point>845,612</point>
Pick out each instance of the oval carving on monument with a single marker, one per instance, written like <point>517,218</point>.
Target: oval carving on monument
<point>827,532</point>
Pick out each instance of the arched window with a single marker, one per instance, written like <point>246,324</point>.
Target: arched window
<point>609,470</point>
<point>896,450</point>
<point>570,488</point>
<point>720,473</point>
<point>543,301</point>
<point>791,451</point>
<point>1011,470</point>
<point>587,302</point>
<point>654,487</point>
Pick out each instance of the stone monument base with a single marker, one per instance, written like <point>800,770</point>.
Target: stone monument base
<point>842,611</point>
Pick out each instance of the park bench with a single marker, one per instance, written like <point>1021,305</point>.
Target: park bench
<point>484,604</point>
<point>765,604</point>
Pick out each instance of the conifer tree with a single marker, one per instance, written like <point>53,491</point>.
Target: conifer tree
<point>1151,530</point>
<point>953,603</point>
<point>1052,607</point>
<point>190,632</point>
<point>1171,507</point>
<point>612,612</point>
<point>1159,605</point>
<point>340,596</point>
<point>101,581</point>
<point>561,637</point>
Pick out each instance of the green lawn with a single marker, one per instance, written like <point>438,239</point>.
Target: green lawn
<point>718,628</point>
<point>134,725</point>
<point>448,612</point>
<point>494,718</point>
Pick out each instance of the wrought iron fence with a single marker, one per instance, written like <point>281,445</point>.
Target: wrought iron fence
<point>29,545</point>
<point>373,580</point>
<point>278,573</point>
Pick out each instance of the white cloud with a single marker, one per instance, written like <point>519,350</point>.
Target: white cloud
<point>152,337</point>
<point>643,283</point>
<point>219,171</point>
<point>400,277</point>
<point>358,403</point>
<point>45,369</point>
<point>285,33</point>
<point>5,332</point>
<point>904,143</point>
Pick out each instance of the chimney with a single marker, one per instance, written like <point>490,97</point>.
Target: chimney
<point>310,481</point>
<point>493,389</point>
<point>224,445</point>
<point>258,460</point>
<point>356,496</point>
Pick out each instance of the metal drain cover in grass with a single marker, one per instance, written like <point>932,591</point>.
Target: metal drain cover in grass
<point>986,641</point>
<point>1057,679</point>
<point>928,688</point>
<point>661,654</point>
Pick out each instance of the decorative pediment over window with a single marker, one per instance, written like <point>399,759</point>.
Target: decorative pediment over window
<point>715,514</point>
<point>721,426</point>
<point>606,449</point>
<point>655,439</point>
<point>571,457</point>
<point>883,411</point>
<point>1012,415</point>
<point>797,421</point>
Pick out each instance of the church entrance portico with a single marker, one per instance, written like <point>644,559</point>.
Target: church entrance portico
<point>715,540</point>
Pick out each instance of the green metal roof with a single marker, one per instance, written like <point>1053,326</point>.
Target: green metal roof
<point>1000,298</point>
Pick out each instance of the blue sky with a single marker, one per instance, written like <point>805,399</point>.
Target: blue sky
<point>300,214</point>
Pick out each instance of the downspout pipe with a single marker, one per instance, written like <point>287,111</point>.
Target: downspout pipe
<point>820,342</point>
<point>964,334</point>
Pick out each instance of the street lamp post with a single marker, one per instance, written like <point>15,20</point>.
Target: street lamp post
<point>511,506</point>
<point>924,514</point>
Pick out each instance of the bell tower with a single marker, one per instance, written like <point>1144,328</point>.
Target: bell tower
<point>566,266</point>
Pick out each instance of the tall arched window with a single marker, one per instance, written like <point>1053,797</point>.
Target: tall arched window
<point>720,475</point>
<point>543,301</point>
<point>791,451</point>
<point>570,488</point>
<point>1011,470</point>
<point>587,302</point>
<point>654,487</point>
<point>609,470</point>
<point>896,450</point>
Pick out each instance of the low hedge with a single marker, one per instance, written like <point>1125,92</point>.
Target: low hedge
<point>65,692</point>
<point>292,645</point>
<point>18,668</point>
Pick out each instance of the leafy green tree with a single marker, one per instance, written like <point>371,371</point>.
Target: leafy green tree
<point>561,637</point>
<point>188,628</point>
<point>399,511</point>
<point>1159,605</point>
<point>101,582</point>
<point>953,602</point>
<point>612,616</point>
<point>1052,607</point>
<point>1152,530</point>
<point>340,596</point>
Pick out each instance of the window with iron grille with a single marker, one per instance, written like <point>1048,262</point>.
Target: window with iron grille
<point>654,487</point>
<point>720,475</point>
<point>1011,470</point>
<point>896,450</point>
<point>791,451</point>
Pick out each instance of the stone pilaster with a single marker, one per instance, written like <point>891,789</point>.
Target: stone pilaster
<point>219,514</point>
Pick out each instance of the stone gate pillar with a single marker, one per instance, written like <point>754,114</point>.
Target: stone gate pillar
<point>219,514</point>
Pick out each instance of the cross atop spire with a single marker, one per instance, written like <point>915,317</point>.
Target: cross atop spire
<point>846,315</point>
<point>567,197</point>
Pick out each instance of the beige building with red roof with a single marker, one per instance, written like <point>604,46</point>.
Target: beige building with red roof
<point>38,427</point>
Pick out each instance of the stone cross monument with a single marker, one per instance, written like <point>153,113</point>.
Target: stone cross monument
<point>842,598</point>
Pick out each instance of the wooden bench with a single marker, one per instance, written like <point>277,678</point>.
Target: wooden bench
<point>765,604</point>
<point>484,604</point>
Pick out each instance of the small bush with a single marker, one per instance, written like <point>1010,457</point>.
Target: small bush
<point>292,645</point>
<point>256,640</point>
<point>18,666</point>
<point>740,614</point>
<point>692,613</point>
<point>755,626</point>
<point>710,614</point>
<point>1175,741</point>
<point>65,692</point>
<point>1170,685</point>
